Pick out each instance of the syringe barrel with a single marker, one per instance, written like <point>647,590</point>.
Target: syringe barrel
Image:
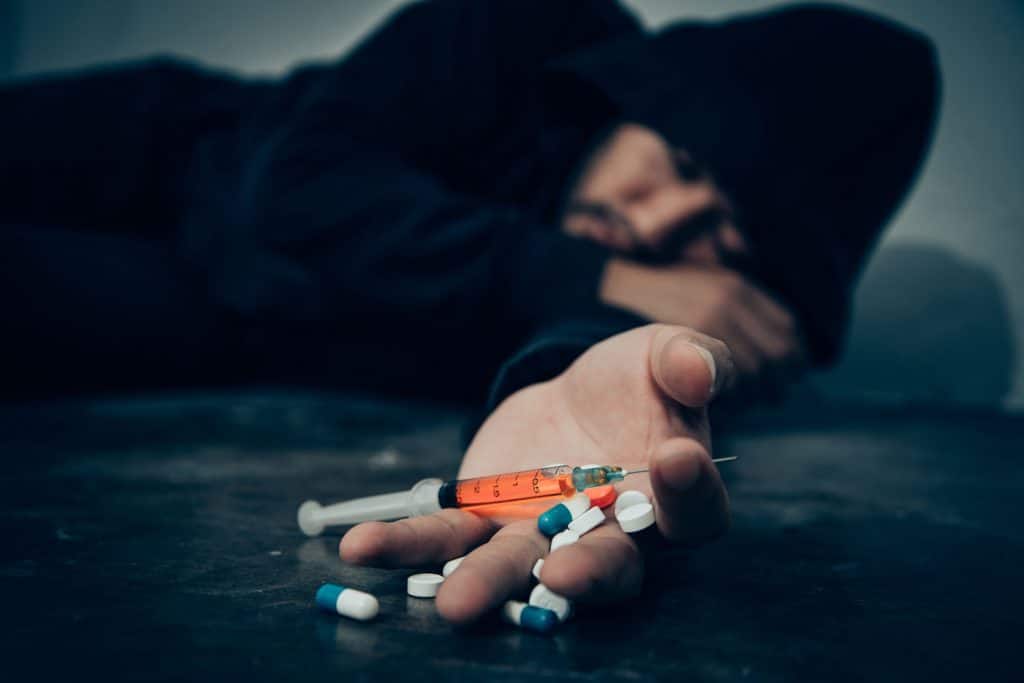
<point>541,482</point>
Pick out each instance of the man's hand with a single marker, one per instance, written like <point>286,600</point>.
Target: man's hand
<point>761,333</point>
<point>637,399</point>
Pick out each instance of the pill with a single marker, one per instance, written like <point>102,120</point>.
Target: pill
<point>590,519</point>
<point>567,537</point>
<point>629,498</point>
<point>557,518</point>
<point>423,585</point>
<point>602,496</point>
<point>451,565</point>
<point>536,568</point>
<point>636,518</point>
<point>542,596</point>
<point>347,602</point>
<point>534,618</point>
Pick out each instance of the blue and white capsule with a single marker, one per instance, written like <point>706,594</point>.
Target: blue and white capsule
<point>558,518</point>
<point>529,617</point>
<point>348,602</point>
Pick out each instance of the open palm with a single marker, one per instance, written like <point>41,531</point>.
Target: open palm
<point>637,400</point>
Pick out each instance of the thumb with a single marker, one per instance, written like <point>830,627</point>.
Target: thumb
<point>690,367</point>
<point>690,500</point>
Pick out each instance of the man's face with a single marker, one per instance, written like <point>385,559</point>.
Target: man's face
<point>639,196</point>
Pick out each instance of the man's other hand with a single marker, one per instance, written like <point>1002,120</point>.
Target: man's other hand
<point>762,334</point>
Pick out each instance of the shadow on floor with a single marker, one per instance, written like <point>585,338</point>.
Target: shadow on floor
<point>928,326</point>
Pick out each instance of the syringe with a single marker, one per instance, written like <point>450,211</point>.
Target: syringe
<point>431,495</point>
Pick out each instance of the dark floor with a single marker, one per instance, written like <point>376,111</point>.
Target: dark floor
<point>156,539</point>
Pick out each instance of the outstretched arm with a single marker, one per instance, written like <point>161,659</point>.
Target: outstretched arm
<point>637,399</point>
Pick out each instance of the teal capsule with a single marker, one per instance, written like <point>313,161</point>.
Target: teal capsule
<point>557,518</point>
<point>529,617</point>
<point>347,602</point>
<point>538,619</point>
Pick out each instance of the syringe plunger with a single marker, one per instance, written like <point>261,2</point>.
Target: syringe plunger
<point>421,499</point>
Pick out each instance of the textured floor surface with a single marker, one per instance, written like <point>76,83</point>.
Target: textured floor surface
<point>155,538</point>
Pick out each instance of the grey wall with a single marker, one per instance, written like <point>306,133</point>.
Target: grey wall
<point>940,313</point>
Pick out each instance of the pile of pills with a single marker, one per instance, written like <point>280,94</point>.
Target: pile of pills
<point>564,523</point>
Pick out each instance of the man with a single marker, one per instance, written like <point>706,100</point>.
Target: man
<point>477,181</point>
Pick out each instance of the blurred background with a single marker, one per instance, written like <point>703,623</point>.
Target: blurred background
<point>939,315</point>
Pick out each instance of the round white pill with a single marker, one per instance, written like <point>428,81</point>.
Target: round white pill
<point>542,596</point>
<point>636,517</point>
<point>536,568</point>
<point>628,499</point>
<point>567,537</point>
<point>589,520</point>
<point>423,585</point>
<point>451,565</point>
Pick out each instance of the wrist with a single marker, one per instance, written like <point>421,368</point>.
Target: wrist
<point>623,284</point>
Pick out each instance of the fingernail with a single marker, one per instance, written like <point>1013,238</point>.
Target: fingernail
<point>710,360</point>
<point>679,470</point>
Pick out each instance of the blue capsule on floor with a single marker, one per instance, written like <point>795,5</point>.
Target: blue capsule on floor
<point>348,602</point>
<point>529,617</point>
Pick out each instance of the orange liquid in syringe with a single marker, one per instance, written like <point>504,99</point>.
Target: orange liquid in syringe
<point>508,487</point>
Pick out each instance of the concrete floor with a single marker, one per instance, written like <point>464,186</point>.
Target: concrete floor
<point>154,538</point>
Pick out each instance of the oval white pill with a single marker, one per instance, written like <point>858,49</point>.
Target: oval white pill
<point>542,596</point>
<point>636,517</point>
<point>451,565</point>
<point>567,537</point>
<point>423,585</point>
<point>589,520</point>
<point>578,504</point>
<point>628,499</point>
<point>536,568</point>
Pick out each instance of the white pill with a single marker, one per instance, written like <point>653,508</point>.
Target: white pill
<point>423,585</point>
<point>347,602</point>
<point>536,568</point>
<point>567,537</point>
<point>628,499</point>
<point>636,518</point>
<point>578,504</point>
<point>589,520</point>
<point>542,596</point>
<point>451,565</point>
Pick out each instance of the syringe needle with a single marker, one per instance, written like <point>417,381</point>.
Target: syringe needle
<point>648,469</point>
